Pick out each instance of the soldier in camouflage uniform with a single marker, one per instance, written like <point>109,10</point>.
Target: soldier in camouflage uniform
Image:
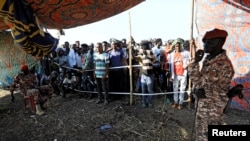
<point>211,82</point>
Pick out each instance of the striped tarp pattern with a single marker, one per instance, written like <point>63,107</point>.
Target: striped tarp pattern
<point>25,29</point>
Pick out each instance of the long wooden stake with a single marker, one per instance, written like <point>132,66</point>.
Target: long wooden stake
<point>192,51</point>
<point>192,54</point>
<point>192,20</point>
<point>130,63</point>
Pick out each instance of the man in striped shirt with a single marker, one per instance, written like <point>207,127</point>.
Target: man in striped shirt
<point>101,66</point>
<point>147,76</point>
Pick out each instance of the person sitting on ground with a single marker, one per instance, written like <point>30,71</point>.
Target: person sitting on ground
<point>68,84</point>
<point>55,82</point>
<point>27,84</point>
<point>45,78</point>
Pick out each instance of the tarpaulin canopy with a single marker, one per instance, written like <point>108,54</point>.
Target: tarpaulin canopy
<point>12,58</point>
<point>234,17</point>
<point>25,29</point>
<point>63,14</point>
<point>71,13</point>
<point>26,19</point>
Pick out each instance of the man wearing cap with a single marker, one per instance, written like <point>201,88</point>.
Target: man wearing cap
<point>178,60</point>
<point>211,82</point>
<point>27,83</point>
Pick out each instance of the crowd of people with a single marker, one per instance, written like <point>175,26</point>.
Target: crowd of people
<point>81,60</point>
<point>103,68</point>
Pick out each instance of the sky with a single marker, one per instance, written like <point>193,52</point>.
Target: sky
<point>166,19</point>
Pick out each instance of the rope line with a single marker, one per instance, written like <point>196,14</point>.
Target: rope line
<point>93,69</point>
<point>122,93</point>
<point>136,94</point>
<point>127,93</point>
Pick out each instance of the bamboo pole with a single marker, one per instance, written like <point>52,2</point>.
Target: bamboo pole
<point>192,52</point>
<point>130,62</point>
<point>192,20</point>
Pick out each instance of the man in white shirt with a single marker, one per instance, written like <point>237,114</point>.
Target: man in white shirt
<point>158,52</point>
<point>179,59</point>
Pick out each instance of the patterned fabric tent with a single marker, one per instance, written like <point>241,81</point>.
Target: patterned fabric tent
<point>26,19</point>
<point>11,58</point>
<point>233,16</point>
<point>25,29</point>
<point>63,14</point>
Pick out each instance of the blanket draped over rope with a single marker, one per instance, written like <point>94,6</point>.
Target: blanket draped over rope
<point>25,30</point>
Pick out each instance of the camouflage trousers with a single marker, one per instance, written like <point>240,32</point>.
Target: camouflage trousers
<point>209,112</point>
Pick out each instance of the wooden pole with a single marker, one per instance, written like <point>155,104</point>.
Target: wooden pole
<point>130,62</point>
<point>192,51</point>
<point>192,20</point>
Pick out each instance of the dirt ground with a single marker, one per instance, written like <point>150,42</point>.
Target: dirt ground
<point>76,118</point>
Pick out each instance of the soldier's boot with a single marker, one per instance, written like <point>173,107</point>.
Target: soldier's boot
<point>39,110</point>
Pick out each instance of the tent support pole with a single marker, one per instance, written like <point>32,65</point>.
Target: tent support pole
<point>130,63</point>
<point>192,53</point>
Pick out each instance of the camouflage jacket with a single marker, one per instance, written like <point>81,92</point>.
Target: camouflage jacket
<point>215,76</point>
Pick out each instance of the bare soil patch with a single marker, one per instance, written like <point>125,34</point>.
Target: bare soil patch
<point>75,118</point>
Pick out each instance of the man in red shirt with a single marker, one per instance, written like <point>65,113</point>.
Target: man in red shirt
<point>178,59</point>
